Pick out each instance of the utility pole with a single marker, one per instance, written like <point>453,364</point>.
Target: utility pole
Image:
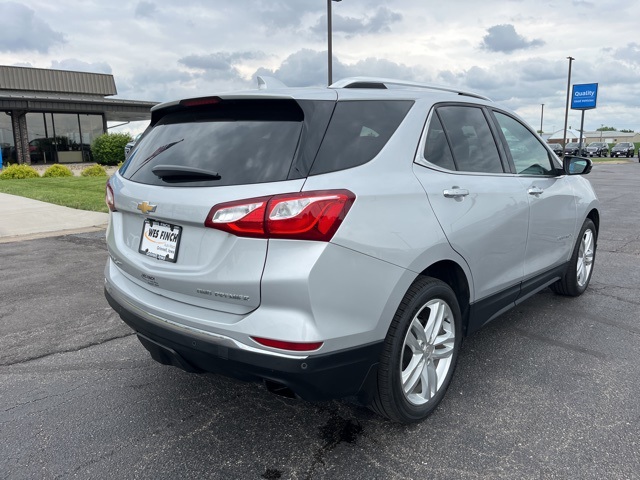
<point>329,43</point>
<point>566,111</point>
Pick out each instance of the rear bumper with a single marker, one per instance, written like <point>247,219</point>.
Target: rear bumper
<point>350,372</point>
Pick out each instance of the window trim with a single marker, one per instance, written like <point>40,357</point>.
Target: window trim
<point>419,159</point>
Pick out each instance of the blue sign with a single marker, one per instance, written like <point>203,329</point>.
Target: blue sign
<point>584,96</point>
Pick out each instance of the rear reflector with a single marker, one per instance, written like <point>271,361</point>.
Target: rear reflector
<point>297,216</point>
<point>292,346</point>
<point>109,198</point>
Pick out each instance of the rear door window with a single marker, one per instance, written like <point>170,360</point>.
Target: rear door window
<point>470,139</point>
<point>436,148</point>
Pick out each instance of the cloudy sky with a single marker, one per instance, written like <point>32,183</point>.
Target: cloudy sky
<point>514,51</point>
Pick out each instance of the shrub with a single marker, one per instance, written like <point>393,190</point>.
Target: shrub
<point>58,171</point>
<point>19,171</point>
<point>108,149</point>
<point>94,171</point>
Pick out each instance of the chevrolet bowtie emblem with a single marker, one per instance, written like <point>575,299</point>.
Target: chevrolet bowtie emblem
<point>145,207</point>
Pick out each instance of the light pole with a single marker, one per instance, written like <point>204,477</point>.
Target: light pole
<point>566,111</point>
<point>329,59</point>
<point>541,117</point>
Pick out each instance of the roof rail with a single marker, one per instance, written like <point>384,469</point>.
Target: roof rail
<point>376,82</point>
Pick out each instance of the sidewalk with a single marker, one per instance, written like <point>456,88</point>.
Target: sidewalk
<point>23,218</point>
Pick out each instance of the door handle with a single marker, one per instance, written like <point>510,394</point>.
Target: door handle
<point>456,192</point>
<point>535,191</point>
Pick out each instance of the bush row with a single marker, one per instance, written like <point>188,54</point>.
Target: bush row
<point>57,170</point>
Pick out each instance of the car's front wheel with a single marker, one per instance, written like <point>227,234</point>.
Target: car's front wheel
<point>420,352</point>
<point>576,279</point>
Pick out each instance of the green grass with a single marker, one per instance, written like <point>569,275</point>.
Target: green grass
<point>83,193</point>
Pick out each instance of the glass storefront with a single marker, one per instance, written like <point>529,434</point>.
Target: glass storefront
<point>91,127</point>
<point>40,145</point>
<point>7,147</point>
<point>62,137</point>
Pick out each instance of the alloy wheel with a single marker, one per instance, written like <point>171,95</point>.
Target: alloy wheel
<point>585,258</point>
<point>427,351</point>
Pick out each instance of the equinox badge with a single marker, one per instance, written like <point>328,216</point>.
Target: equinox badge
<point>145,207</point>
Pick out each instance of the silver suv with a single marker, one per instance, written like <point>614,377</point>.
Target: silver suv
<point>340,241</point>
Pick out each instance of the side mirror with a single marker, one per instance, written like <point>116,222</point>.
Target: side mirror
<point>576,165</point>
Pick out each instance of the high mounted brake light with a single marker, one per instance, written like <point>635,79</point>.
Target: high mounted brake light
<point>297,216</point>
<point>198,102</point>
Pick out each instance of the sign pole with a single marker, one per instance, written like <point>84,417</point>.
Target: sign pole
<point>580,147</point>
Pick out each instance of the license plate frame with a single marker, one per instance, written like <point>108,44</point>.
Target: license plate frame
<point>160,240</point>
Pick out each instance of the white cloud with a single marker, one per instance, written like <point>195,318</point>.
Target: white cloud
<point>162,49</point>
<point>80,66</point>
<point>21,29</point>
<point>504,38</point>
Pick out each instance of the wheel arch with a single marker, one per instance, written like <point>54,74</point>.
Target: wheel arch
<point>594,216</point>
<point>453,275</point>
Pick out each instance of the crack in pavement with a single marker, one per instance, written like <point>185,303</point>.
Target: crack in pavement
<point>557,343</point>
<point>69,350</point>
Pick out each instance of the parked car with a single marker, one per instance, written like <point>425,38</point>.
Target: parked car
<point>340,241</point>
<point>557,148</point>
<point>597,149</point>
<point>623,149</point>
<point>575,148</point>
<point>129,146</point>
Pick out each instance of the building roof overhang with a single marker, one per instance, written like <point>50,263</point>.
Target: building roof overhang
<point>114,109</point>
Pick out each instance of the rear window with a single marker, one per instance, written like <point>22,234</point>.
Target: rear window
<point>357,132</point>
<point>241,141</point>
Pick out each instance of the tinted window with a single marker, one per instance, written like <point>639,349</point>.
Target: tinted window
<point>243,141</point>
<point>357,132</point>
<point>473,146</point>
<point>436,148</point>
<point>528,154</point>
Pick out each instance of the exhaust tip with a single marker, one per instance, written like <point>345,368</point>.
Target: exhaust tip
<point>279,389</point>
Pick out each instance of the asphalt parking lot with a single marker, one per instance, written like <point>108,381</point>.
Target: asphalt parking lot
<point>549,390</point>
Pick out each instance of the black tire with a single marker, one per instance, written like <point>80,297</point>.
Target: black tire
<point>411,347</point>
<point>578,275</point>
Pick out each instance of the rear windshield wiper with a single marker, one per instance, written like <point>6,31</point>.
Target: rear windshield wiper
<point>180,173</point>
<point>159,150</point>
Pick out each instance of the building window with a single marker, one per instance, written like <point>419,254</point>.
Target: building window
<point>62,137</point>
<point>91,127</point>
<point>41,149</point>
<point>7,146</point>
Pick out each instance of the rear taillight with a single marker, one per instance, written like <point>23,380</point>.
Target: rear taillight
<point>109,198</point>
<point>297,216</point>
<point>293,346</point>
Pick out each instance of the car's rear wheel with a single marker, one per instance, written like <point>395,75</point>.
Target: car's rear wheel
<point>420,352</point>
<point>576,279</point>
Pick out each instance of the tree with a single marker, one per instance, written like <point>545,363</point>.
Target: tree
<point>606,129</point>
<point>108,148</point>
<point>626,130</point>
